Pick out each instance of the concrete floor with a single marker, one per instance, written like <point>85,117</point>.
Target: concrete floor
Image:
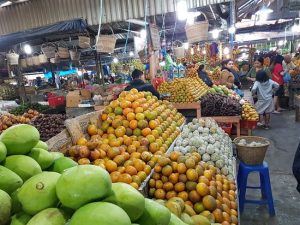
<point>285,137</point>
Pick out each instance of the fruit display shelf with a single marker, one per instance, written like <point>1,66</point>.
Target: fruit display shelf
<point>230,119</point>
<point>193,106</point>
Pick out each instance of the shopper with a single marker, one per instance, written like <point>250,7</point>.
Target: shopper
<point>287,64</point>
<point>227,78</point>
<point>296,167</point>
<point>203,76</point>
<point>277,76</point>
<point>257,66</point>
<point>263,87</point>
<point>138,82</point>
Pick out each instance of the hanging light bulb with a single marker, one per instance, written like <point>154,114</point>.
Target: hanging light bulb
<point>131,53</point>
<point>215,33</point>
<point>280,43</point>
<point>231,30</point>
<point>182,10</point>
<point>27,49</point>
<point>226,51</point>
<point>143,33</point>
<point>115,60</point>
<point>186,45</point>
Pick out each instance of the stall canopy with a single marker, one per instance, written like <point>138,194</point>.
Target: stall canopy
<point>73,26</point>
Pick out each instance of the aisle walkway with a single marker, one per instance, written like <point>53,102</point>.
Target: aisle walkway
<point>285,137</point>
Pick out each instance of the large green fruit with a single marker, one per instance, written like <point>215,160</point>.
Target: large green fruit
<point>20,219</point>
<point>39,192</point>
<point>103,213</point>
<point>128,198</point>
<point>20,139</point>
<point>175,220</point>
<point>57,155</point>
<point>154,214</point>
<point>3,152</point>
<point>16,206</point>
<point>50,216</point>
<point>9,180</point>
<point>5,207</point>
<point>22,165</point>
<point>80,185</point>
<point>42,145</point>
<point>62,164</point>
<point>42,156</point>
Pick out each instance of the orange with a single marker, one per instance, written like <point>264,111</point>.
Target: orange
<point>130,116</point>
<point>125,178</point>
<point>150,138</point>
<point>171,194</point>
<point>218,215</point>
<point>136,155</point>
<point>208,174</point>
<point>209,202</point>
<point>181,168</point>
<point>152,183</point>
<point>154,147</point>
<point>125,104</point>
<point>183,195</point>
<point>137,132</point>
<point>147,169</point>
<point>115,176</point>
<point>179,187</point>
<point>167,170</point>
<point>194,196</point>
<point>131,170</point>
<point>157,168</point>
<point>135,185</point>
<point>190,163</point>
<point>120,131</point>
<point>104,117</point>
<point>153,124</point>
<point>92,129</point>
<point>114,104</point>
<point>138,109</point>
<point>192,175</point>
<point>158,184</point>
<point>155,134</point>
<point>121,169</point>
<point>202,189</point>
<point>119,159</point>
<point>136,144</point>
<point>133,124</point>
<point>203,179</point>
<point>168,186</point>
<point>126,111</point>
<point>113,152</point>
<point>182,178</point>
<point>139,165</point>
<point>111,166</point>
<point>160,194</point>
<point>131,148</point>
<point>139,116</point>
<point>174,155</point>
<point>142,175</point>
<point>173,178</point>
<point>146,131</point>
<point>135,104</point>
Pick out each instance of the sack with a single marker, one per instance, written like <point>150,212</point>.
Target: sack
<point>287,77</point>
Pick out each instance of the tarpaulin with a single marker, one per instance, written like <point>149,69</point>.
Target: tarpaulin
<point>8,40</point>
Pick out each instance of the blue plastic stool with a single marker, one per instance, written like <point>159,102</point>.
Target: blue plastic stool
<point>265,186</point>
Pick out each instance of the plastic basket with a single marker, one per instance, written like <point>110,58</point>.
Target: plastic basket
<point>248,124</point>
<point>252,155</point>
<point>227,127</point>
<point>56,101</point>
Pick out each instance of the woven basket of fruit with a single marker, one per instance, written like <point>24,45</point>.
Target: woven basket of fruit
<point>251,149</point>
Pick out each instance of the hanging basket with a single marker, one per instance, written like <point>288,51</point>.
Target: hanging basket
<point>43,58</point>
<point>179,51</point>
<point>63,50</point>
<point>29,61</point>
<point>23,63</point>
<point>49,49</point>
<point>36,60</point>
<point>143,56</point>
<point>84,41</point>
<point>56,59</point>
<point>12,58</point>
<point>75,54</point>
<point>106,43</point>
<point>197,31</point>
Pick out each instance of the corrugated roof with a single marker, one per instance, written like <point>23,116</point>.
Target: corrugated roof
<point>37,13</point>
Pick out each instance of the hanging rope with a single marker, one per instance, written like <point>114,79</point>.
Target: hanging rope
<point>145,23</point>
<point>100,20</point>
<point>128,32</point>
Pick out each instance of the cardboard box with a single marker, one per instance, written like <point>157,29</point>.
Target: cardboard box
<point>85,94</point>
<point>73,99</point>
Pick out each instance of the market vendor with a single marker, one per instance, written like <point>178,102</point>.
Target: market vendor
<point>258,65</point>
<point>204,76</point>
<point>227,78</point>
<point>138,82</point>
<point>296,167</point>
<point>287,63</point>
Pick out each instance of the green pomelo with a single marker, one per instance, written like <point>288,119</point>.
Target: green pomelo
<point>20,219</point>
<point>50,216</point>
<point>82,184</point>
<point>3,152</point>
<point>128,198</point>
<point>103,213</point>
<point>5,207</point>
<point>154,214</point>
<point>22,165</point>
<point>20,139</point>
<point>39,193</point>
<point>42,145</point>
<point>16,206</point>
<point>175,220</point>
<point>62,164</point>
<point>56,155</point>
<point>42,156</point>
<point>9,180</point>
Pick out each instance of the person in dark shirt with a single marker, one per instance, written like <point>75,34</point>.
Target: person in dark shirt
<point>139,83</point>
<point>203,76</point>
<point>296,167</point>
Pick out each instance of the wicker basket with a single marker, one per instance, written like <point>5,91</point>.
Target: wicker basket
<point>84,41</point>
<point>106,43</point>
<point>23,63</point>
<point>63,52</point>
<point>56,59</point>
<point>49,49</point>
<point>197,31</point>
<point>43,58</point>
<point>36,60</point>
<point>29,61</point>
<point>75,54</point>
<point>252,155</point>
<point>12,58</point>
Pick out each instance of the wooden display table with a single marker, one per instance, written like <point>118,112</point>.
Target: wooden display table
<point>297,105</point>
<point>99,107</point>
<point>184,106</point>
<point>230,119</point>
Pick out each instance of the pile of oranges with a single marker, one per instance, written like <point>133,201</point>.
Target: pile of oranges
<point>134,130</point>
<point>198,184</point>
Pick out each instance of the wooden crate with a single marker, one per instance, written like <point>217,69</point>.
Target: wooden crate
<point>194,106</point>
<point>230,119</point>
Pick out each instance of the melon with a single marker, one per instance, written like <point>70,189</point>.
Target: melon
<point>9,181</point>
<point>42,145</point>
<point>50,216</point>
<point>16,206</point>
<point>103,213</point>
<point>5,207</point>
<point>175,220</point>
<point>56,155</point>
<point>154,214</point>
<point>39,192</point>
<point>62,164</point>
<point>128,198</point>
<point>20,219</point>
<point>82,184</point>
<point>3,152</point>
<point>22,165</point>
<point>42,156</point>
<point>20,139</point>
